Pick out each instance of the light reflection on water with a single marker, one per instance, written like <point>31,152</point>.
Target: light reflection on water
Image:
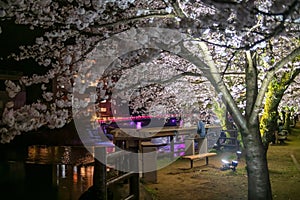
<point>72,181</point>
<point>58,155</point>
<point>48,173</point>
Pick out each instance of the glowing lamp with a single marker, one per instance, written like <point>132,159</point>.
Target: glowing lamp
<point>138,125</point>
<point>238,155</point>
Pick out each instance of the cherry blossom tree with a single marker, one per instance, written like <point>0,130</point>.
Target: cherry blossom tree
<point>277,89</point>
<point>236,46</point>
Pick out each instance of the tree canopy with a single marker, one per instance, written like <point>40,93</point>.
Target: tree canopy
<point>236,46</point>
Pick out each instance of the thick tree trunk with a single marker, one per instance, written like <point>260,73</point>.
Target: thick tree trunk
<point>270,116</point>
<point>268,121</point>
<point>259,187</point>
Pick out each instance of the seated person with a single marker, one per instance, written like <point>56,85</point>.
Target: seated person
<point>279,135</point>
<point>221,140</point>
<point>223,137</point>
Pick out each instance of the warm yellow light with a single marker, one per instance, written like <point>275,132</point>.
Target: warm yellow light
<point>103,109</point>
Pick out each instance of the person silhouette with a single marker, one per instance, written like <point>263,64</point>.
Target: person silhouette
<point>201,129</point>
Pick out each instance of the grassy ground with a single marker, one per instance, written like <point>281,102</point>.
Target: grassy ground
<point>177,181</point>
<point>284,167</point>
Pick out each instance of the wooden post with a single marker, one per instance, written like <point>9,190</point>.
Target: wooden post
<point>99,177</point>
<point>206,160</point>
<point>189,146</point>
<point>149,159</point>
<point>202,145</point>
<point>134,186</point>
<point>172,147</point>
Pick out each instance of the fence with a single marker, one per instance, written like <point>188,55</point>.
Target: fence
<point>228,140</point>
<point>106,175</point>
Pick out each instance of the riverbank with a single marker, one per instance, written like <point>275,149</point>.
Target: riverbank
<point>178,182</point>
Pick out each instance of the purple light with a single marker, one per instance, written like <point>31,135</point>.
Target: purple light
<point>138,125</point>
<point>131,123</point>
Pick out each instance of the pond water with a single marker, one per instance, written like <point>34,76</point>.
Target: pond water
<point>51,172</point>
<point>47,172</point>
<point>43,172</point>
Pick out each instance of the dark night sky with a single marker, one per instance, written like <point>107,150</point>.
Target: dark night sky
<point>11,38</point>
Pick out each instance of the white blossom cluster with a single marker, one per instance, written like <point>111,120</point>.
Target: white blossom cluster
<point>48,13</point>
<point>68,49</point>
<point>31,117</point>
<point>291,97</point>
<point>147,86</point>
<point>12,89</point>
<point>232,64</point>
<point>238,24</point>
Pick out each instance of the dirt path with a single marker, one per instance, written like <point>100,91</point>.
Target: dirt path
<point>178,182</point>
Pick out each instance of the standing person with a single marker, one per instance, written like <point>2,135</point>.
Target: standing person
<point>201,131</point>
<point>201,126</point>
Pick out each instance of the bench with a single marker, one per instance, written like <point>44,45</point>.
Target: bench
<point>228,138</point>
<point>280,137</point>
<point>193,158</point>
